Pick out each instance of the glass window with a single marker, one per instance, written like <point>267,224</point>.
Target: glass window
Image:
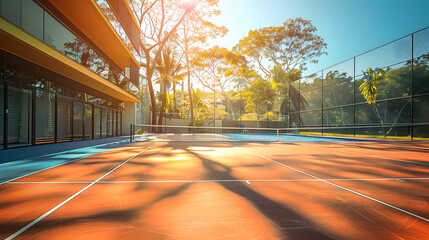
<point>32,18</point>
<point>109,122</point>
<point>19,117</point>
<point>77,120</point>
<point>45,117</point>
<point>88,121</point>
<point>421,62</point>
<point>114,123</point>
<point>1,64</point>
<point>388,55</point>
<point>64,119</point>
<point>104,123</point>
<point>1,115</point>
<point>11,10</point>
<point>97,122</point>
<point>58,37</point>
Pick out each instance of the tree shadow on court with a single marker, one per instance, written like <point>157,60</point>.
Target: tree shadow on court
<point>122,215</point>
<point>291,224</point>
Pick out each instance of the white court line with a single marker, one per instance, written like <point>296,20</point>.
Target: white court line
<point>369,155</point>
<point>338,186</point>
<point>233,180</point>
<point>59,153</point>
<point>70,198</point>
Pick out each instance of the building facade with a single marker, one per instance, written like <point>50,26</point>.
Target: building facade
<point>68,70</point>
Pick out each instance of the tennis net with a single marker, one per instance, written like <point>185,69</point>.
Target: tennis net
<point>225,134</point>
<point>141,132</point>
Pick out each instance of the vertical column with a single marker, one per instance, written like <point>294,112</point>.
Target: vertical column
<point>92,122</point>
<point>33,116</point>
<point>322,104</point>
<point>411,130</point>
<point>83,120</point>
<point>72,120</point>
<point>56,119</point>
<point>354,96</point>
<point>6,115</point>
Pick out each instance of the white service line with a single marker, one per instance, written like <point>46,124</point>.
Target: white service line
<point>234,180</point>
<point>336,185</point>
<point>59,153</point>
<point>70,198</point>
<point>369,155</point>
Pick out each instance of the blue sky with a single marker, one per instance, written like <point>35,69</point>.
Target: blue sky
<point>350,27</point>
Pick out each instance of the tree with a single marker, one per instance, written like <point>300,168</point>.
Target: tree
<point>170,71</point>
<point>369,89</point>
<point>288,47</point>
<point>196,30</point>
<point>258,94</point>
<point>217,67</point>
<point>158,21</point>
<point>201,103</point>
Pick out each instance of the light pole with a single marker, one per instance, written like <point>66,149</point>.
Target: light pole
<point>214,107</point>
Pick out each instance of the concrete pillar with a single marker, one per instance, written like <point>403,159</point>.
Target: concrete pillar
<point>128,117</point>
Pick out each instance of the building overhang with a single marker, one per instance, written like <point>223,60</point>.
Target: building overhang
<point>22,44</point>
<point>91,21</point>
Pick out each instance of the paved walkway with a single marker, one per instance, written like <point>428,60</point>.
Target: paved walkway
<point>18,162</point>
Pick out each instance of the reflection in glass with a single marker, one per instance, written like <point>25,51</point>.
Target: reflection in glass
<point>97,122</point>
<point>1,115</point>
<point>11,10</point>
<point>104,123</point>
<point>64,119</point>
<point>77,120</point>
<point>32,18</point>
<point>88,121</point>
<point>58,37</point>
<point>19,117</point>
<point>45,116</point>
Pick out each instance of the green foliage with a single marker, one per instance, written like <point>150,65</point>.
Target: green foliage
<point>369,87</point>
<point>258,94</point>
<point>290,46</point>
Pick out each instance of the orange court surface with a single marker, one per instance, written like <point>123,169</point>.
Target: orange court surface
<point>218,190</point>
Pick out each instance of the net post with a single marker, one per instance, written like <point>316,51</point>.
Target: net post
<point>277,134</point>
<point>131,132</point>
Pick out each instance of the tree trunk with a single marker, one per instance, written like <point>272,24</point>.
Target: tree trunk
<point>381,121</point>
<point>191,106</point>
<point>149,73</point>
<point>163,89</point>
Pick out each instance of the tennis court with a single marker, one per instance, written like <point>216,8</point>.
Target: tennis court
<point>227,190</point>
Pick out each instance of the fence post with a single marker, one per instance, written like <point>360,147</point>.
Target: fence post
<point>278,135</point>
<point>131,132</point>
